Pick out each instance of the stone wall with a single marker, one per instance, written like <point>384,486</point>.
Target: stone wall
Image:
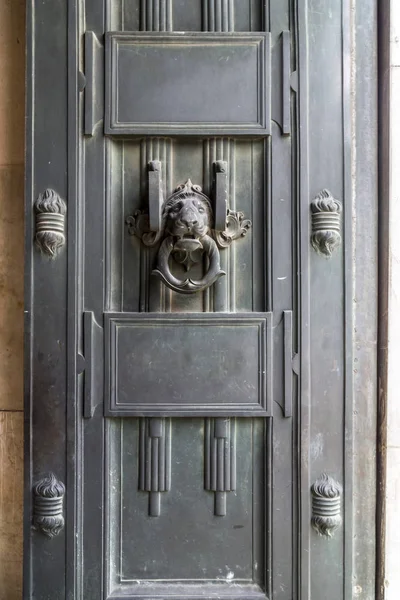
<point>12,83</point>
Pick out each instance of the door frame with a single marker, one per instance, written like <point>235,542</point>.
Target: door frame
<point>360,241</point>
<point>384,183</point>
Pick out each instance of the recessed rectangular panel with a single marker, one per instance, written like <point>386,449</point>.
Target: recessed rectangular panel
<point>204,364</point>
<point>187,551</point>
<point>200,83</point>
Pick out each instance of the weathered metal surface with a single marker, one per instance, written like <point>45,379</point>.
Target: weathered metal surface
<point>172,485</point>
<point>186,365</point>
<point>177,74</point>
<point>183,229</point>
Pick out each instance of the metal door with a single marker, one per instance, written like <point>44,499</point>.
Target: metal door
<point>185,277</point>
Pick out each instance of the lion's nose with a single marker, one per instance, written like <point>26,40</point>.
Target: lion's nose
<point>189,222</point>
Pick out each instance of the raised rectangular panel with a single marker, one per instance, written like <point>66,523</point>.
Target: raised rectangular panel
<point>215,364</point>
<point>200,83</point>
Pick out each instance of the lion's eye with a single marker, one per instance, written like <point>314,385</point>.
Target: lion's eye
<point>200,209</point>
<point>177,207</point>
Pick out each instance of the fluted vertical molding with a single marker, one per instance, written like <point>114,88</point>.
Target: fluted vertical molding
<point>218,15</point>
<point>220,460</point>
<point>155,460</point>
<point>156,15</point>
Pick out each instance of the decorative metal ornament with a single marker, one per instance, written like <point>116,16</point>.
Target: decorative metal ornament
<point>155,460</point>
<point>237,226</point>
<point>186,235</point>
<point>48,500</point>
<point>50,212</point>
<point>325,222</point>
<point>220,460</point>
<point>326,499</point>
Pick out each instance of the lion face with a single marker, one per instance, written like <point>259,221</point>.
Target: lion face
<point>188,215</point>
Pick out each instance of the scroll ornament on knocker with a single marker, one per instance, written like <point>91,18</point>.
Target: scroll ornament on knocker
<point>184,228</point>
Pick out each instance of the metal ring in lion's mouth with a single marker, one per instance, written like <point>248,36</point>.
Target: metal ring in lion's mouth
<point>188,286</point>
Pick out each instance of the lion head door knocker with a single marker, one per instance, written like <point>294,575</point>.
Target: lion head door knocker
<point>184,227</point>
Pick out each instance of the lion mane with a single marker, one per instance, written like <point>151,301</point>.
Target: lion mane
<point>187,201</point>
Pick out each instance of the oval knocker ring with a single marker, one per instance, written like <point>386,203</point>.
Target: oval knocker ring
<point>188,286</point>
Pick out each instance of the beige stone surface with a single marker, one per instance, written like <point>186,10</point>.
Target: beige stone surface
<point>12,81</point>
<point>12,109</point>
<point>11,286</point>
<point>11,503</point>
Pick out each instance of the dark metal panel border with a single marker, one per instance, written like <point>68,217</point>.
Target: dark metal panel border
<point>304,483</point>
<point>348,275</point>
<point>45,285</point>
<point>74,311</point>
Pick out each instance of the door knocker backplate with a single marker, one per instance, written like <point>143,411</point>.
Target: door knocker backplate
<point>184,228</point>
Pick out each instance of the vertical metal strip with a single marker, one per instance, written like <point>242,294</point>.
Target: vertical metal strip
<point>149,14</point>
<point>154,464</point>
<point>232,442</point>
<point>214,460</point>
<point>143,15</point>
<point>304,302</point>
<point>142,454</point>
<point>227,457</point>
<point>220,464</point>
<point>211,15</point>
<point>350,28</point>
<point>286,82</point>
<point>207,183</point>
<point>143,295</point>
<point>148,458</point>
<point>231,16</point>
<point>89,74</point>
<point>204,15</point>
<point>74,425</point>
<point>218,15</point>
<point>231,152</point>
<point>288,362</point>
<point>168,23</point>
<point>207,454</point>
<point>163,15</point>
<point>156,15</point>
<point>161,459</point>
<point>168,427</point>
<point>267,353</point>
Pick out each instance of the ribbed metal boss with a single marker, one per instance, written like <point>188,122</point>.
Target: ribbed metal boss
<point>323,221</point>
<point>326,507</point>
<point>50,222</point>
<point>48,507</point>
